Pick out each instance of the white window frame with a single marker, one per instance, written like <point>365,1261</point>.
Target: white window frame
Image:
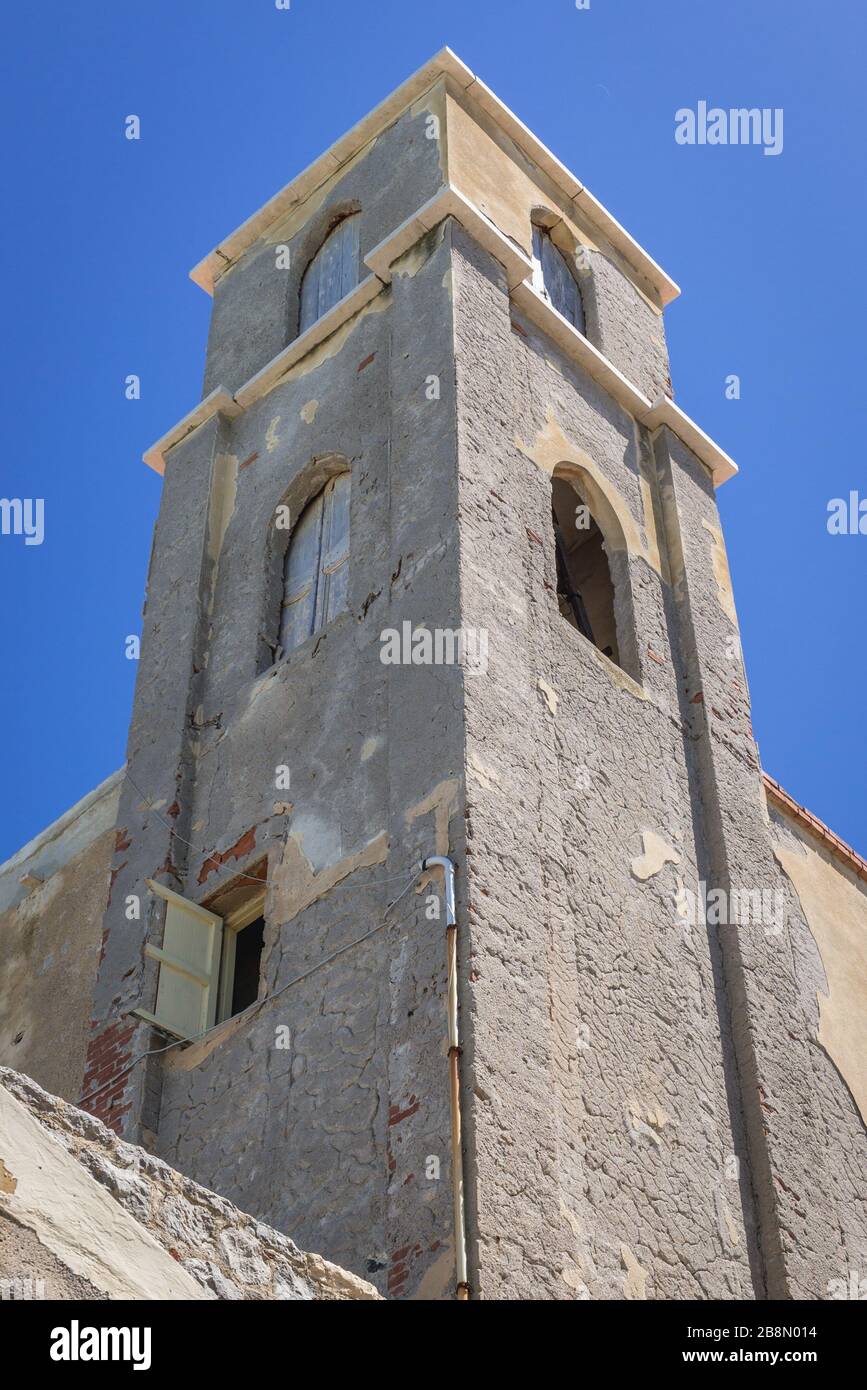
<point>251,909</point>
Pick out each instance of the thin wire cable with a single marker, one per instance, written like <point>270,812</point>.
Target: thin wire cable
<point>251,878</point>
<point>268,998</point>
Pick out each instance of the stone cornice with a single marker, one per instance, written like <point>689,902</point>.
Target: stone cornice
<point>445,64</point>
<point>450,202</point>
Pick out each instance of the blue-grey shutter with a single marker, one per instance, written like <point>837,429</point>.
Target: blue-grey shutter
<point>332,273</point>
<point>316,569</point>
<point>310,295</point>
<point>555,280</point>
<point>301,577</point>
<point>334,573</point>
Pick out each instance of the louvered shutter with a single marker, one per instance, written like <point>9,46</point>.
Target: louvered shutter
<point>553,278</point>
<point>316,570</point>
<point>189,961</point>
<point>334,565</point>
<point>332,273</point>
<point>301,577</point>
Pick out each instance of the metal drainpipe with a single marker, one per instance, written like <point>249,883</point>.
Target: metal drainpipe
<point>448,868</point>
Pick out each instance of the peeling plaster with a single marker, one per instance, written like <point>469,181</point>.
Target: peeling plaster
<point>438,1278</point>
<point>618,676</point>
<point>571,1276</point>
<point>294,884</point>
<point>301,214</point>
<point>443,801</point>
<point>272,438</point>
<point>188,1058</point>
<point>549,694</point>
<point>721,571</point>
<point>636,1278</point>
<point>434,103</point>
<point>836,913</point>
<point>657,853</point>
<point>331,346</point>
<point>308,412</point>
<point>223,495</point>
<point>729,1233</point>
<point>369,747</point>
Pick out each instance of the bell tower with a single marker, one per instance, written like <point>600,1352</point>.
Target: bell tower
<point>438,575</point>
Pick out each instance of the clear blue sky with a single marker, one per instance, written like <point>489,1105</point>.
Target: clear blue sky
<point>235,97</point>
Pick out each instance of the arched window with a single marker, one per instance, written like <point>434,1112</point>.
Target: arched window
<point>316,566</point>
<point>585,591</point>
<point>554,280</point>
<point>332,273</point>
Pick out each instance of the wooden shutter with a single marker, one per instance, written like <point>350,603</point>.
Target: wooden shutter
<point>332,273</point>
<point>189,960</point>
<point>553,278</point>
<point>334,563</point>
<point>316,571</point>
<point>301,577</point>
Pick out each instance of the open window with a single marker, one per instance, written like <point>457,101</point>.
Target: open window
<point>332,273</point>
<point>209,962</point>
<point>585,590</point>
<point>554,279</point>
<point>243,940</point>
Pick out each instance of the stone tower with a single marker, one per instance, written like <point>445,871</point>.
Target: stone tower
<point>438,572</point>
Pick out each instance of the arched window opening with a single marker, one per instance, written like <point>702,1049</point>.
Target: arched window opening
<point>554,280</point>
<point>332,273</point>
<point>316,566</point>
<point>585,591</point>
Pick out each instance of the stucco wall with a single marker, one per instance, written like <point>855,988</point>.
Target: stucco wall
<point>50,938</point>
<point>588,999</point>
<point>343,1138</point>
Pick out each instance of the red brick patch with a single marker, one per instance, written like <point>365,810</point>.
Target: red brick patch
<point>243,847</point>
<point>108,1053</point>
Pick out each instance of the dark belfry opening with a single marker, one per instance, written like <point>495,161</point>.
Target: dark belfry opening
<point>585,592</point>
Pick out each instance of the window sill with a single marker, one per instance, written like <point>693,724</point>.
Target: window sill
<point>297,653</point>
<point>616,674</point>
<point>449,202</point>
<point>222,402</point>
<point>345,309</point>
